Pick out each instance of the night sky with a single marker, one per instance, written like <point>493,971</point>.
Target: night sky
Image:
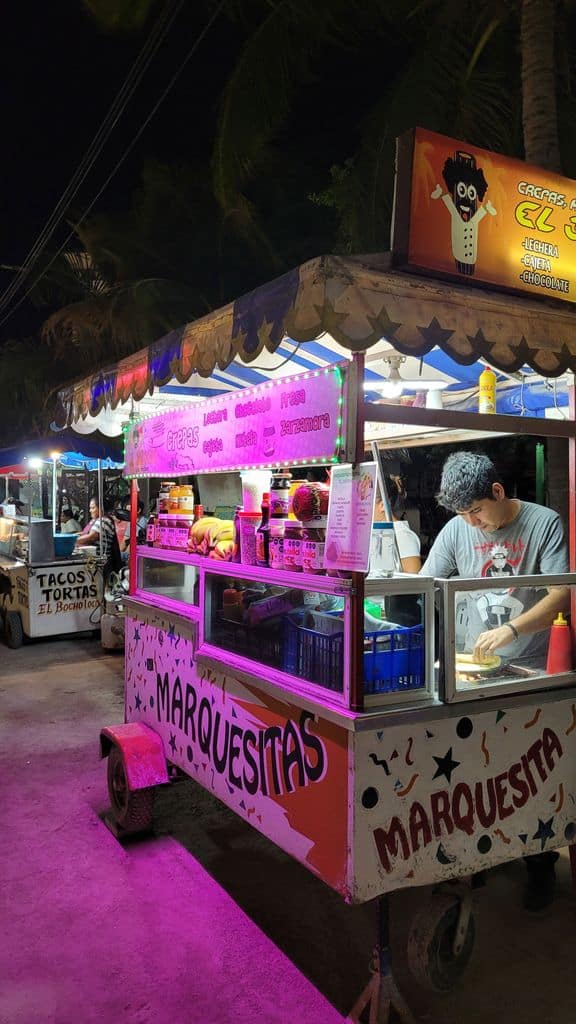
<point>60,72</point>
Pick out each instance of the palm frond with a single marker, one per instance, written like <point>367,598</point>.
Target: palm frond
<point>277,59</point>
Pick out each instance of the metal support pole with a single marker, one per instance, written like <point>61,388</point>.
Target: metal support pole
<point>133,534</point>
<point>356,399</point>
<point>381,994</point>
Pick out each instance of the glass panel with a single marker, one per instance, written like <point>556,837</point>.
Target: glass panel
<point>175,580</point>
<point>6,535</point>
<point>394,643</point>
<point>488,651</point>
<point>298,631</point>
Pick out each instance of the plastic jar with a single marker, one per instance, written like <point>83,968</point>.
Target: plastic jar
<point>249,523</point>
<point>186,498</point>
<point>313,543</point>
<point>255,482</point>
<point>173,499</point>
<point>164,495</point>
<point>292,545</point>
<point>279,494</point>
<point>276,546</point>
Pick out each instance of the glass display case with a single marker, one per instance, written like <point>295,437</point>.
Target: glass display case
<point>470,607</point>
<point>399,651</point>
<point>299,625</point>
<point>167,575</point>
<point>27,540</point>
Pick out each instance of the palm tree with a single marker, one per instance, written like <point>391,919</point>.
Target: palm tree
<point>459,72</point>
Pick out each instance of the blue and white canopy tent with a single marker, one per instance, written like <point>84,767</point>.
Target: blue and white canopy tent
<point>323,312</point>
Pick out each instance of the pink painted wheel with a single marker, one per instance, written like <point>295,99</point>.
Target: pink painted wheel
<point>132,810</point>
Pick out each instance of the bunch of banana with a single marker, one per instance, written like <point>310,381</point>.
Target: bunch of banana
<point>209,535</point>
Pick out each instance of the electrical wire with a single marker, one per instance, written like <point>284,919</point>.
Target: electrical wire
<point>126,153</point>
<point>123,97</point>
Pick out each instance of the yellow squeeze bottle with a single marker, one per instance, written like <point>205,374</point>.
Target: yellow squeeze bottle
<point>487,391</point>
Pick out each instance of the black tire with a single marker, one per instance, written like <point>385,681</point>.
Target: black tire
<point>430,944</point>
<point>132,810</point>
<point>13,632</point>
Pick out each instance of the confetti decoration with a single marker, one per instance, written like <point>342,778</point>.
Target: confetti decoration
<point>485,750</point>
<point>573,725</point>
<point>393,755</point>
<point>409,760</point>
<point>505,839</point>
<point>528,725</point>
<point>560,797</point>
<point>544,831</point>
<point>499,716</point>
<point>443,857</point>
<point>446,765</point>
<point>381,761</point>
<point>523,836</point>
<point>379,735</point>
<point>406,790</point>
<point>429,735</point>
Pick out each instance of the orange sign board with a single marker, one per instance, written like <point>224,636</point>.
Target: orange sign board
<point>479,217</point>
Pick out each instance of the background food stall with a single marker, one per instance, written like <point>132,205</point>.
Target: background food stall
<point>373,791</point>
<point>45,588</point>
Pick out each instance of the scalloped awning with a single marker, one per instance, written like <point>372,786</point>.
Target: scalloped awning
<point>357,301</point>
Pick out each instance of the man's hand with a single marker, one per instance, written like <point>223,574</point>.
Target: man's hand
<point>437,192</point>
<point>489,642</point>
<point>489,208</point>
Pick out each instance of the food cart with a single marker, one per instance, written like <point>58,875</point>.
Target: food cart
<point>366,754</point>
<point>47,587</point>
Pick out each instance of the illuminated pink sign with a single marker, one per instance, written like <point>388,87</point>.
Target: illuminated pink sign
<point>295,419</point>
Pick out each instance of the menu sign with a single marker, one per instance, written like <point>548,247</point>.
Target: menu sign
<point>480,217</point>
<point>350,517</point>
<point>296,419</point>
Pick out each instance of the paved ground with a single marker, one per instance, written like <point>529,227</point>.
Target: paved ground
<point>207,923</point>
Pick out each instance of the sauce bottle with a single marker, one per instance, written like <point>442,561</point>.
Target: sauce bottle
<point>263,533</point>
<point>559,647</point>
<point>487,391</point>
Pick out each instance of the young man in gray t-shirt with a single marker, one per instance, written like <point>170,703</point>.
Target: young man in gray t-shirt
<point>497,537</point>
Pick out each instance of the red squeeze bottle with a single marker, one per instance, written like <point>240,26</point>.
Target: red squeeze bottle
<point>559,646</point>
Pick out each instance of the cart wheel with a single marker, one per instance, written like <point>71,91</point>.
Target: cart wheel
<point>431,955</point>
<point>132,810</point>
<point>13,632</point>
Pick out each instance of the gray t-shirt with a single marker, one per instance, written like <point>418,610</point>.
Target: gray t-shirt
<point>532,544</point>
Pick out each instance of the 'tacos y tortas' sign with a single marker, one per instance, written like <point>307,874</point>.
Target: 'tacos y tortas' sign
<point>480,217</point>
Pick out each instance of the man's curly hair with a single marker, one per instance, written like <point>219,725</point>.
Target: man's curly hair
<point>466,478</point>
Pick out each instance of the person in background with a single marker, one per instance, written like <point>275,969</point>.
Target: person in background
<point>69,524</point>
<point>491,536</point>
<point>141,523</point>
<point>407,542</point>
<point>101,526</point>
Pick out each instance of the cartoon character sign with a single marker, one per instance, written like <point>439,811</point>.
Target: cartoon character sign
<point>466,188</point>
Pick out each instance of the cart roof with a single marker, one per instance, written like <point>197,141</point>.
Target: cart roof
<point>319,313</point>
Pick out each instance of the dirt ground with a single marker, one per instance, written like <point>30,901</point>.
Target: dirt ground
<point>207,922</point>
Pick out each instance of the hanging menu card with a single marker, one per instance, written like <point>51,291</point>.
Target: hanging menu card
<point>350,517</point>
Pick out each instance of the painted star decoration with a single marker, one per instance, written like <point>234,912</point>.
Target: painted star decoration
<point>544,831</point>
<point>446,766</point>
<point>138,702</point>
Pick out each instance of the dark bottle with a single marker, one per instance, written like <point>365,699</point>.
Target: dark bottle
<point>279,493</point>
<point>151,529</point>
<point>198,512</point>
<point>263,533</point>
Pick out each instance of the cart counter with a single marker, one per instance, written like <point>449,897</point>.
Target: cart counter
<point>371,802</point>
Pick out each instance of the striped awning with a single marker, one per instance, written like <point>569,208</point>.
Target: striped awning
<point>321,312</point>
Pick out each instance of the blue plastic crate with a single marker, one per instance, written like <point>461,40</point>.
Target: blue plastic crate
<point>313,648</point>
<point>394,660</point>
